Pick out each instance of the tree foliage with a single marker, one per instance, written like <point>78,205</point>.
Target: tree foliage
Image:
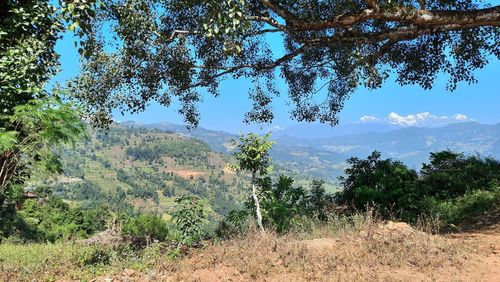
<point>282,203</point>
<point>448,179</point>
<point>252,155</point>
<point>28,34</point>
<point>35,131</point>
<point>387,184</point>
<point>32,117</point>
<point>190,218</point>
<point>144,51</point>
<point>29,31</point>
<point>52,220</point>
<point>450,174</point>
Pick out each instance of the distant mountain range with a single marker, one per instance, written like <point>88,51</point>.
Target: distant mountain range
<point>317,156</point>
<point>371,124</point>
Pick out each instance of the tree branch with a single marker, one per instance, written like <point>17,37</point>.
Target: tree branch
<point>176,32</point>
<point>286,15</point>
<point>270,66</point>
<point>395,35</point>
<point>481,17</point>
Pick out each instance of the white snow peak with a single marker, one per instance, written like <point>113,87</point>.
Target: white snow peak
<point>424,119</point>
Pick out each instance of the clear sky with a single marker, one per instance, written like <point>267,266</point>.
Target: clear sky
<point>479,101</point>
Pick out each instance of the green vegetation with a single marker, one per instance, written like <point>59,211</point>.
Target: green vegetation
<point>287,206</point>
<point>191,218</point>
<point>156,212</point>
<point>146,227</point>
<point>147,195</point>
<point>452,187</point>
<point>190,151</point>
<point>34,121</point>
<point>464,208</point>
<point>388,184</point>
<point>75,261</point>
<point>30,143</point>
<point>102,181</point>
<point>252,155</point>
<point>99,172</point>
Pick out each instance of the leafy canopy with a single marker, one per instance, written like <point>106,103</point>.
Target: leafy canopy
<point>38,129</point>
<point>29,31</point>
<point>140,51</point>
<point>32,117</point>
<point>252,154</point>
<point>451,185</point>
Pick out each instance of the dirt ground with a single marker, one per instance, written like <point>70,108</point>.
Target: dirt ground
<point>387,252</point>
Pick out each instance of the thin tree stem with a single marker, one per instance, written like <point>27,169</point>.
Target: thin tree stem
<point>257,204</point>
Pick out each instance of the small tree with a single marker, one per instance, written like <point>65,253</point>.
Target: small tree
<point>30,139</point>
<point>190,218</point>
<point>252,155</point>
<point>318,199</point>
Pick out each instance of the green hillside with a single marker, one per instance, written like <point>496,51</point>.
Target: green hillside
<point>147,169</point>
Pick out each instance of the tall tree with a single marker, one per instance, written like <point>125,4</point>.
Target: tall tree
<point>32,118</point>
<point>158,50</point>
<point>252,155</point>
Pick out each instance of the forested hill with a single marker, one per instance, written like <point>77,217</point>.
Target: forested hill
<point>147,169</point>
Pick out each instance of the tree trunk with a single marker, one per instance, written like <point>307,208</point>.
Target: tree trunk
<point>257,204</point>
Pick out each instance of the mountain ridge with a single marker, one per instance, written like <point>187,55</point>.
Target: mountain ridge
<point>325,157</point>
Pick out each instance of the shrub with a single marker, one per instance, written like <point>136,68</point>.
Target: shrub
<point>387,184</point>
<point>457,210</point>
<point>93,256</point>
<point>146,228</point>
<point>451,186</point>
<point>236,222</point>
<point>56,220</point>
<point>190,218</point>
<point>319,200</point>
<point>450,175</point>
<point>286,206</point>
<point>282,202</point>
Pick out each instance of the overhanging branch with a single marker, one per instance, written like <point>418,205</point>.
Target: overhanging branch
<point>260,67</point>
<point>481,17</point>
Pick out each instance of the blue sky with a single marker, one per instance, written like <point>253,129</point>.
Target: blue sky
<point>479,101</point>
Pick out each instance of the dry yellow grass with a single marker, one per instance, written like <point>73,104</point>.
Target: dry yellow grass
<point>372,253</point>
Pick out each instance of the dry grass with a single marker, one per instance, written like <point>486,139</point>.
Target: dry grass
<point>360,250</point>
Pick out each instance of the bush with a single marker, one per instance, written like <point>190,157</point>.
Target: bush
<point>451,186</point>
<point>286,206</point>
<point>56,220</point>
<point>93,257</point>
<point>236,222</point>
<point>457,210</point>
<point>190,218</point>
<point>146,228</point>
<point>387,184</point>
<point>281,202</point>
<point>450,175</point>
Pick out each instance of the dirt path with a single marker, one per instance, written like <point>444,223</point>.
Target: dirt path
<point>485,263</point>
